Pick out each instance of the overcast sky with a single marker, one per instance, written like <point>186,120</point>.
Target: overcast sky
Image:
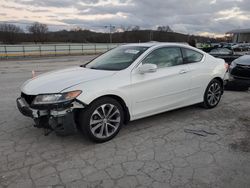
<point>213,17</point>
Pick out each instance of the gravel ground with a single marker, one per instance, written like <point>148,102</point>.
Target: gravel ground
<point>151,152</point>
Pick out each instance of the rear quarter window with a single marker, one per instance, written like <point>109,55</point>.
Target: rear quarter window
<point>191,56</point>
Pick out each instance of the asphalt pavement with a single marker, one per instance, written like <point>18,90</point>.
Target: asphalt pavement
<point>158,151</point>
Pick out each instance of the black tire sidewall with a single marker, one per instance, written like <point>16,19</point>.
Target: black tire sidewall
<point>85,115</point>
<point>205,102</point>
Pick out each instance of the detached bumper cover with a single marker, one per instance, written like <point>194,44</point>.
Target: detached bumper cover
<point>24,108</point>
<point>62,121</point>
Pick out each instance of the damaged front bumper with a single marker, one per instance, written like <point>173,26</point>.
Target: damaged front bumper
<point>61,119</point>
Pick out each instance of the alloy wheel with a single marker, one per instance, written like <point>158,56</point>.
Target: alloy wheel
<point>105,120</point>
<point>214,94</point>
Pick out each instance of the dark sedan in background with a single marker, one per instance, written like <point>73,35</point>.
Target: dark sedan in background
<point>239,73</point>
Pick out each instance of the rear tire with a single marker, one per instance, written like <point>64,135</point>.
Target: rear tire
<point>213,94</point>
<point>102,119</point>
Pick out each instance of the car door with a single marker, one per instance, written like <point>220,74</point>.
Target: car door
<point>164,89</point>
<point>199,72</point>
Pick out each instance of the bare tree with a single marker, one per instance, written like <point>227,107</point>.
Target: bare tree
<point>39,32</point>
<point>164,28</point>
<point>124,28</point>
<point>9,33</point>
<point>76,29</point>
<point>136,28</point>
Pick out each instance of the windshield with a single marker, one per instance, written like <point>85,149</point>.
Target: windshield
<point>117,59</point>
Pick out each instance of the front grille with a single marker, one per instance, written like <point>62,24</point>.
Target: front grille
<point>28,98</point>
<point>241,71</point>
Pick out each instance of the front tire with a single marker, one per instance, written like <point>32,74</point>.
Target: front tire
<point>102,119</point>
<point>213,94</point>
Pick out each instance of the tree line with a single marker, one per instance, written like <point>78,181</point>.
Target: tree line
<point>39,33</point>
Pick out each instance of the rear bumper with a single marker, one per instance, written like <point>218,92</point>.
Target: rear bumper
<point>62,121</point>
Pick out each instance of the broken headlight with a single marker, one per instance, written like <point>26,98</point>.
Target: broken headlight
<point>56,97</point>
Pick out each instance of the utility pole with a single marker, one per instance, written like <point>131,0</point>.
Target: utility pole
<point>111,27</point>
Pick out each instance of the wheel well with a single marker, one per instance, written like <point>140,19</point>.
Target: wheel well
<point>221,81</point>
<point>122,103</point>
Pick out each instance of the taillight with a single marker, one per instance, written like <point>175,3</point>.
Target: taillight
<point>226,66</point>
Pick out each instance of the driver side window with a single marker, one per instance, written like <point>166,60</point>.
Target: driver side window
<point>165,57</point>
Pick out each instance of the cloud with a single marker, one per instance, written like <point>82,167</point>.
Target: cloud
<point>188,16</point>
<point>47,3</point>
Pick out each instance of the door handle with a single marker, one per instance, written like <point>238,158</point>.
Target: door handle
<point>183,71</point>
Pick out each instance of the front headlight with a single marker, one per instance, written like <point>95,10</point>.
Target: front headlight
<point>56,97</point>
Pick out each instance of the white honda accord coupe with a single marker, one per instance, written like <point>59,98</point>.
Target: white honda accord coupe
<point>126,83</point>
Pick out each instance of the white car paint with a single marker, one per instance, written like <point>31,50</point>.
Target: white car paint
<point>144,94</point>
<point>56,81</point>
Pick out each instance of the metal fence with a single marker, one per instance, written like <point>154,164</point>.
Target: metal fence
<point>29,50</point>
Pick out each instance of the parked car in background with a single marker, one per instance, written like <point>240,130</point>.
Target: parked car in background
<point>224,53</point>
<point>241,49</point>
<point>220,51</point>
<point>222,45</point>
<point>127,83</point>
<point>227,45</point>
<point>239,73</point>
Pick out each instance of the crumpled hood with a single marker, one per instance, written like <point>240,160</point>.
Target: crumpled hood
<point>56,81</point>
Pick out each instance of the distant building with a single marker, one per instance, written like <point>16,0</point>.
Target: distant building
<point>240,35</point>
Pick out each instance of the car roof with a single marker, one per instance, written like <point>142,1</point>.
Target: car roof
<point>221,49</point>
<point>165,44</point>
<point>153,43</point>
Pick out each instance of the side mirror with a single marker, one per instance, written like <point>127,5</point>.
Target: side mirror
<point>147,68</point>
